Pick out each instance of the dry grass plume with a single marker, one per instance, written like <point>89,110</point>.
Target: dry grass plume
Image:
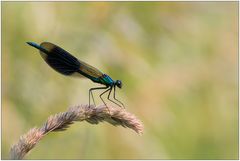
<point>62,121</point>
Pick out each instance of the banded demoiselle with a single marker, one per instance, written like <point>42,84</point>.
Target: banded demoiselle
<point>66,64</point>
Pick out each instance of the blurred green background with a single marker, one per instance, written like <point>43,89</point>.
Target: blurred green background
<point>177,62</point>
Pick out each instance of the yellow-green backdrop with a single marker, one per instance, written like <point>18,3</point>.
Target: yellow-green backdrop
<point>177,62</point>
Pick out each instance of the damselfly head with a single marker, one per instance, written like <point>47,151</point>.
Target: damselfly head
<point>118,83</point>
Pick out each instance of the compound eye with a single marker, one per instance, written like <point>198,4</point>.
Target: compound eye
<point>119,84</point>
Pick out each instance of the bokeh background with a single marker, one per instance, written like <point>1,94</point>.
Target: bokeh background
<point>177,62</point>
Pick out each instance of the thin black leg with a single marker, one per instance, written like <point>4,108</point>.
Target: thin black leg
<point>102,94</point>
<point>90,92</point>
<point>115,97</point>
<point>103,100</point>
<point>110,99</point>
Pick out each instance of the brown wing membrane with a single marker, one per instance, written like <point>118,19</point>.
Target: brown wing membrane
<point>89,70</point>
<point>64,63</point>
<point>60,60</point>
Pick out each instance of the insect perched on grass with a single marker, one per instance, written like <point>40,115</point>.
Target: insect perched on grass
<point>66,64</point>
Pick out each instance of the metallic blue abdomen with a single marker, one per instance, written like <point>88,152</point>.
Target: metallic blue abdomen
<point>106,80</point>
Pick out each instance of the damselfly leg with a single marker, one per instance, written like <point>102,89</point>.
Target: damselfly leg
<point>110,99</point>
<point>102,98</point>
<point>114,96</point>
<point>90,93</point>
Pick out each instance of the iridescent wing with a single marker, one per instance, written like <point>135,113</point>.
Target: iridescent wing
<point>64,63</point>
<point>59,59</point>
<point>90,70</point>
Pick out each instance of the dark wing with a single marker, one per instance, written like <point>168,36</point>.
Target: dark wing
<point>64,63</point>
<point>90,70</point>
<point>60,60</point>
